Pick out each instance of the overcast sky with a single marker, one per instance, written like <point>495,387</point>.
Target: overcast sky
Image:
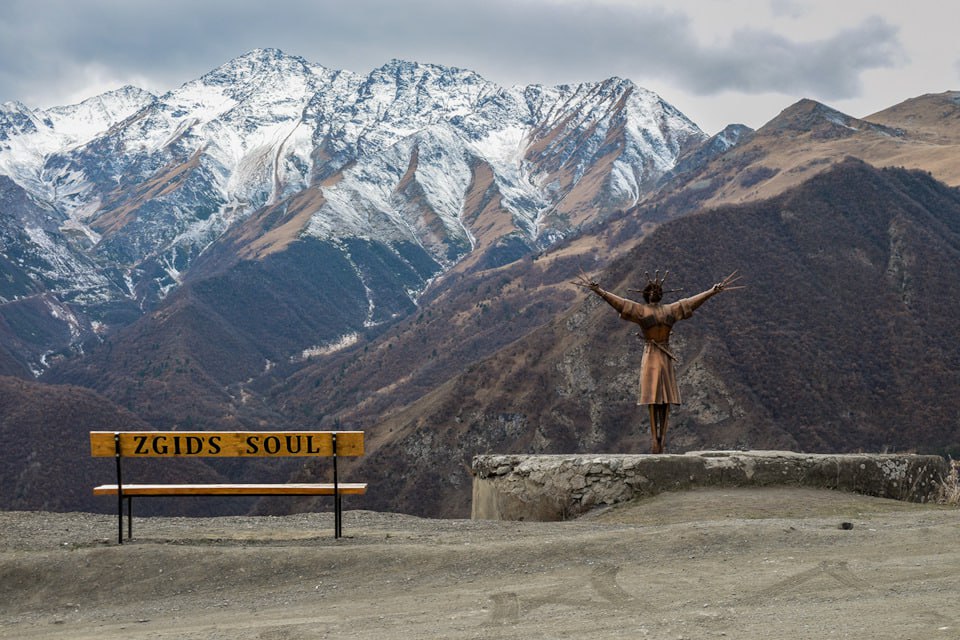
<point>718,61</point>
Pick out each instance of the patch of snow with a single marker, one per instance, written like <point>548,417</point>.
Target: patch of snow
<point>346,340</point>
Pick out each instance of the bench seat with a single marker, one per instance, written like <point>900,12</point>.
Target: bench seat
<point>290,489</point>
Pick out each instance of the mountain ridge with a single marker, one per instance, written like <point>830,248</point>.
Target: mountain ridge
<point>808,137</point>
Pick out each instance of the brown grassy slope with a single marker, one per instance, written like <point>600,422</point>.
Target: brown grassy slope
<point>933,122</point>
<point>809,137</point>
<point>934,117</point>
<point>845,340</point>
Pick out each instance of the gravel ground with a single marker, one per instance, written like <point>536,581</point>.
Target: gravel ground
<point>719,563</point>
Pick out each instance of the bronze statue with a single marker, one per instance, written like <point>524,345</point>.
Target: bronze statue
<point>658,382</point>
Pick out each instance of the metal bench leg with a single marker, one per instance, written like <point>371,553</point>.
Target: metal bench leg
<point>120,496</point>
<point>337,530</point>
<point>120,517</point>
<point>338,522</point>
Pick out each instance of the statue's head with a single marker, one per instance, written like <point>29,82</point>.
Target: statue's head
<point>653,292</point>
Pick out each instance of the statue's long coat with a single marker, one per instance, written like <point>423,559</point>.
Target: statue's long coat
<point>658,381</point>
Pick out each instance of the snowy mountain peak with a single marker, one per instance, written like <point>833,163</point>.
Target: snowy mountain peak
<point>259,79</point>
<point>16,119</point>
<point>97,114</point>
<point>401,90</point>
<point>404,72</point>
<point>250,71</point>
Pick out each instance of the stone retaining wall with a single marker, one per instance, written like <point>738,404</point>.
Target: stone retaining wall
<point>557,487</point>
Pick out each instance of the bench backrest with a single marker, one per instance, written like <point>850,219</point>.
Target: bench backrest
<point>211,444</point>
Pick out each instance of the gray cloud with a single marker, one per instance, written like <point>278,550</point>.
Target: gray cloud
<point>756,62</point>
<point>791,8</point>
<point>55,48</point>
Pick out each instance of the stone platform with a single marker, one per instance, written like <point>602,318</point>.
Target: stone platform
<point>558,487</point>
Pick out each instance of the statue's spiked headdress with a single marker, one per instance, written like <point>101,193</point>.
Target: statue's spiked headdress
<point>654,287</point>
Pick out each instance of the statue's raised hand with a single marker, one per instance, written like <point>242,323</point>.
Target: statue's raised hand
<point>724,285</point>
<point>585,281</point>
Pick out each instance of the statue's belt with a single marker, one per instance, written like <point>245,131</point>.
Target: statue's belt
<point>662,346</point>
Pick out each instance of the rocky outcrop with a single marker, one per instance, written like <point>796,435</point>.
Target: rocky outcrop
<point>557,487</point>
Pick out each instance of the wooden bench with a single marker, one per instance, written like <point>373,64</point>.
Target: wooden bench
<point>206,444</point>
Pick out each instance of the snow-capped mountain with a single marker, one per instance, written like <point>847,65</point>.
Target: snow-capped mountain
<point>120,195</point>
<point>28,138</point>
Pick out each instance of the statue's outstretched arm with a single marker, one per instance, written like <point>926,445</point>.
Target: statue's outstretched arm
<point>724,285</point>
<point>613,300</point>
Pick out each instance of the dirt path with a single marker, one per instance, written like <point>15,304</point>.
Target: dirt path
<point>745,564</point>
